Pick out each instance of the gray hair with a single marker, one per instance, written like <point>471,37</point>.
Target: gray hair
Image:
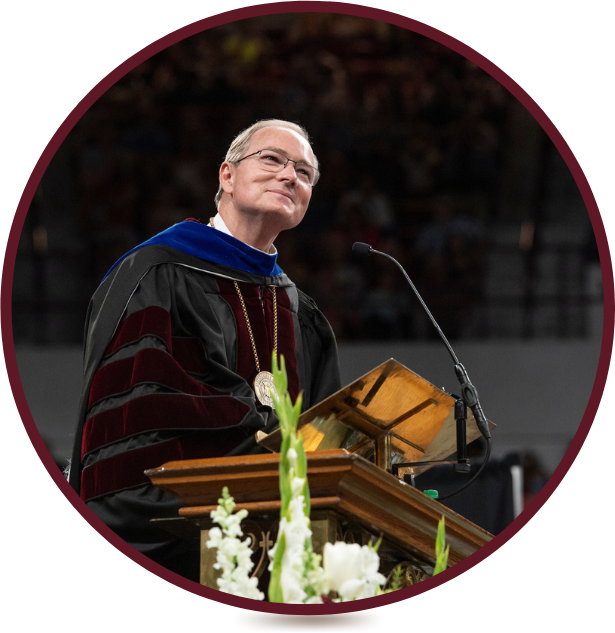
<point>242,140</point>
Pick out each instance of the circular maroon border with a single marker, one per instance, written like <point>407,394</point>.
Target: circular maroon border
<point>308,7</point>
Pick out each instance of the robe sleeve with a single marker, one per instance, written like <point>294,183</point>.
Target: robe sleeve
<point>165,388</point>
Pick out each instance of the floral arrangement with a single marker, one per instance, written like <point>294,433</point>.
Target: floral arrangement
<point>298,574</point>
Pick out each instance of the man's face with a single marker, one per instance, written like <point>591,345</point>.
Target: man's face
<point>255,191</point>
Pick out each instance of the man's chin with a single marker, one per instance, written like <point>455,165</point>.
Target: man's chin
<point>286,217</point>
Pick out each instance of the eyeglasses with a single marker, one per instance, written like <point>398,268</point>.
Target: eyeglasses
<point>270,160</point>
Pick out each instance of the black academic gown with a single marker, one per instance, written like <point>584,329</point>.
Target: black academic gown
<point>168,369</point>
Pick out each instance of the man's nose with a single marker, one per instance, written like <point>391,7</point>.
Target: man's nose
<point>288,172</point>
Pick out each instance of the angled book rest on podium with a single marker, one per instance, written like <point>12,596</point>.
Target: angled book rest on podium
<point>390,411</point>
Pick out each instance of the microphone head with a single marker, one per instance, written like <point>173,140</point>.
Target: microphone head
<point>361,248</point>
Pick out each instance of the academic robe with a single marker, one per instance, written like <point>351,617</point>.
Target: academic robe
<point>168,371</point>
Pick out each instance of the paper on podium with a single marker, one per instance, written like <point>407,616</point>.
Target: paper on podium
<point>389,400</point>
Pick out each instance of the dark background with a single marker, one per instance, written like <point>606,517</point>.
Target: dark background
<point>423,155</point>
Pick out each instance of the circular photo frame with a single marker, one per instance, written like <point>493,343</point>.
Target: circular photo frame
<point>74,560</point>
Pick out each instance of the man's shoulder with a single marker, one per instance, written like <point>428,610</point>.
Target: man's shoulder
<point>305,301</point>
<point>307,308</point>
<point>316,328</point>
<point>137,263</point>
<point>150,254</point>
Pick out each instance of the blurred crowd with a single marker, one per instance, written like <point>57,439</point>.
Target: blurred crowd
<point>411,138</point>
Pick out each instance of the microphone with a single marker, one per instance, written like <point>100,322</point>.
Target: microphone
<point>468,390</point>
<point>361,248</point>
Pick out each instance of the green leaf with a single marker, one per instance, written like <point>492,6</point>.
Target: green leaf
<point>276,594</point>
<point>285,485</point>
<point>306,499</point>
<point>441,552</point>
<point>297,407</point>
<point>376,547</point>
<point>279,375</point>
<point>301,457</point>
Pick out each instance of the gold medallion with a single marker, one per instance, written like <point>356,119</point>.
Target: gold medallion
<point>263,386</point>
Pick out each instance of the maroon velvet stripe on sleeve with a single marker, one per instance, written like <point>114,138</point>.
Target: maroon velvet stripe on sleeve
<point>146,366</point>
<point>126,469</point>
<point>189,354</point>
<point>152,321</point>
<point>161,411</point>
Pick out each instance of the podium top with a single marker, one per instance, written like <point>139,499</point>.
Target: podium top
<point>389,400</point>
<point>348,485</point>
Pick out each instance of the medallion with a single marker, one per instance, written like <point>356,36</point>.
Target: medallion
<point>263,386</point>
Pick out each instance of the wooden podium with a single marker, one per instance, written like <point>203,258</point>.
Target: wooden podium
<point>351,500</point>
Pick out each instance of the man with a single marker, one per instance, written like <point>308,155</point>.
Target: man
<point>179,338</point>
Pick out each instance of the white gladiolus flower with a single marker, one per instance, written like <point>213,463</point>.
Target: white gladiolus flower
<point>296,486</point>
<point>215,537</point>
<point>352,570</point>
<point>341,563</point>
<point>297,531</point>
<point>233,556</point>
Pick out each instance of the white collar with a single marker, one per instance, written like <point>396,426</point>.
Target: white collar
<point>220,225</point>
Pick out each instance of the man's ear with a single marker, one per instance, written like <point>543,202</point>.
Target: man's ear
<point>226,177</point>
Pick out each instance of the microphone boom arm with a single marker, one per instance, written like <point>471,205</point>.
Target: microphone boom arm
<point>468,390</point>
<point>469,395</point>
